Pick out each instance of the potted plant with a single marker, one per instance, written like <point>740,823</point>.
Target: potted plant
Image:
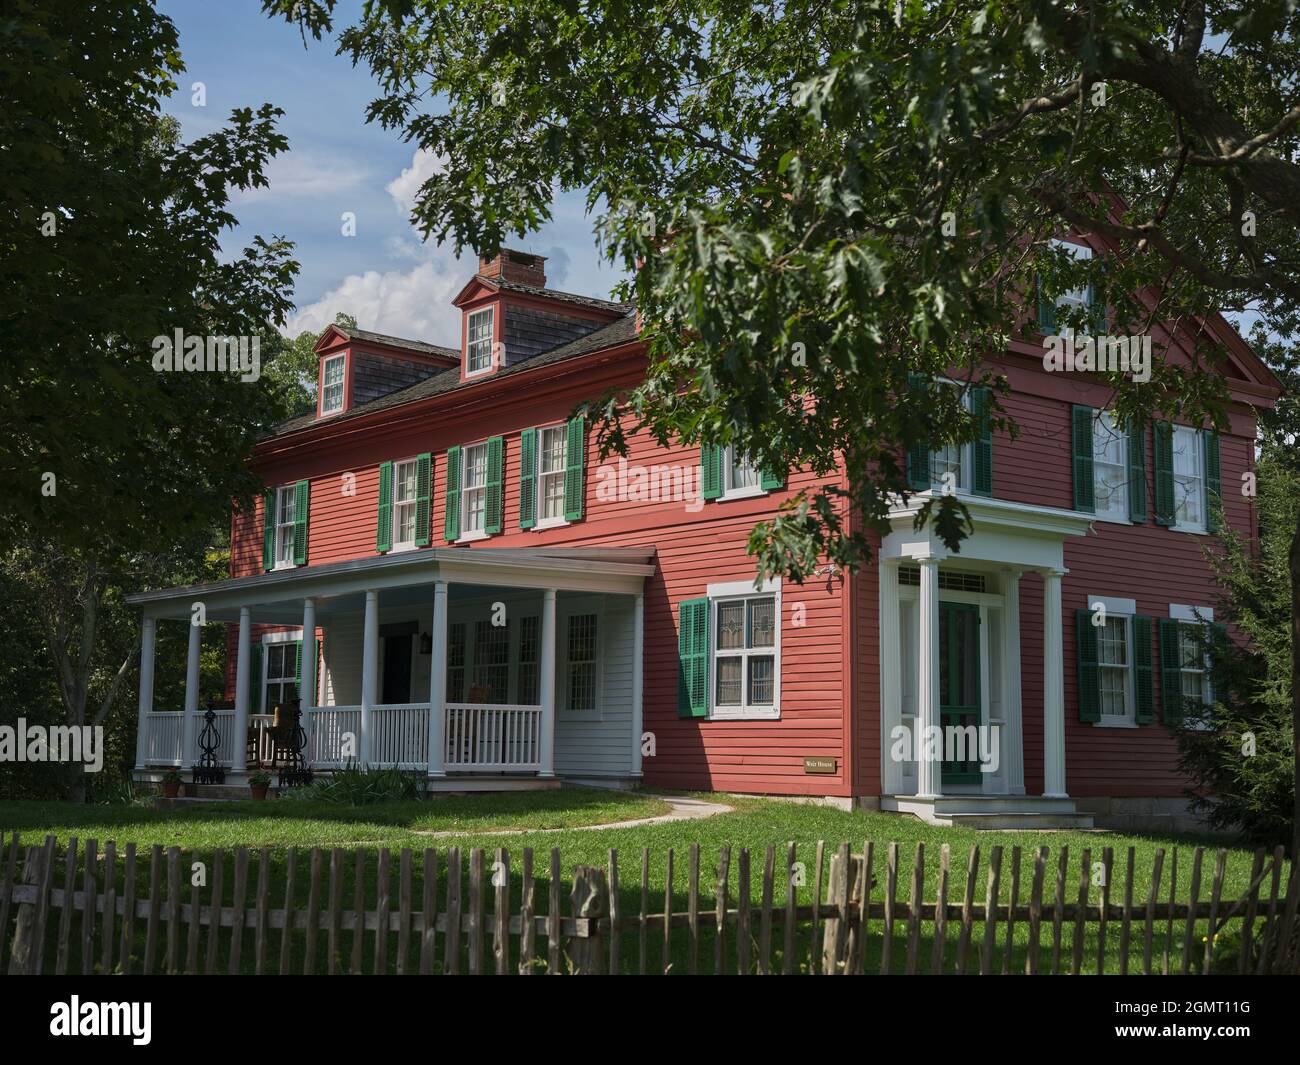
<point>258,783</point>
<point>171,783</point>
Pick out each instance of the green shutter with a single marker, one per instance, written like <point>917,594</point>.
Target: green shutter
<point>1143,662</point>
<point>384,521</point>
<point>772,480</point>
<point>423,490</point>
<point>493,502</point>
<point>919,474</point>
<point>451,522</point>
<point>1089,683</point>
<point>710,471</point>
<point>255,679</point>
<point>1213,477</point>
<point>1171,679</point>
<point>1046,310</point>
<point>297,665</point>
<point>268,529</point>
<point>693,658</point>
<point>1081,421</point>
<point>575,468</point>
<point>528,479</point>
<point>1097,309</point>
<point>1137,472</point>
<point>981,402</point>
<point>1219,650</point>
<point>1162,438</point>
<point>301,509</point>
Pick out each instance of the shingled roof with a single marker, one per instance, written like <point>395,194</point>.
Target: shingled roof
<point>620,331</point>
<point>552,294</point>
<point>397,342</point>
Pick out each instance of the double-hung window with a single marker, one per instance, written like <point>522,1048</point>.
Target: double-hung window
<point>281,674</point>
<point>478,342</point>
<point>740,476</point>
<point>473,493</point>
<point>1189,480</point>
<point>331,395</point>
<point>491,661</point>
<point>581,662</point>
<point>744,656</point>
<point>405,503</point>
<point>550,475</point>
<point>1110,468</point>
<point>1115,670</point>
<point>950,465</point>
<point>286,515</point>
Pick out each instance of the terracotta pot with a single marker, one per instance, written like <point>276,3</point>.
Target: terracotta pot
<point>258,791</point>
<point>171,788</point>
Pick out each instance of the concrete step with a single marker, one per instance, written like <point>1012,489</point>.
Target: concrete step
<point>997,803</point>
<point>1012,821</point>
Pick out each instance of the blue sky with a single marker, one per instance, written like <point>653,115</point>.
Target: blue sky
<point>384,275</point>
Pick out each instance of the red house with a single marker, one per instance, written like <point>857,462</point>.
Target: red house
<point>455,584</point>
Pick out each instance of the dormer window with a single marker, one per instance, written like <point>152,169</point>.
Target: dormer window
<point>331,385</point>
<point>478,342</point>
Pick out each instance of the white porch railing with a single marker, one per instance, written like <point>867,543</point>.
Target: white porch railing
<point>493,738</point>
<point>401,735</point>
<point>164,734</point>
<point>327,727</point>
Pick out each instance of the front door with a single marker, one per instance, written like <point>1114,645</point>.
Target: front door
<point>959,689</point>
<point>397,670</point>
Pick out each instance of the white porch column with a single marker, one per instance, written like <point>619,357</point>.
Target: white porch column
<point>307,694</point>
<point>1015,745</point>
<point>638,662</point>
<point>438,683</point>
<point>891,665</point>
<point>148,627</point>
<point>928,769</point>
<point>189,730</point>
<point>243,657</point>
<point>1053,688</point>
<point>546,683</point>
<point>369,673</point>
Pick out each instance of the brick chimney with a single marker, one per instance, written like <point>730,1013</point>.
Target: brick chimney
<point>519,266</point>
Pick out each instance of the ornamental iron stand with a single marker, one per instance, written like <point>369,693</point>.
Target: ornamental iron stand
<point>208,770</point>
<point>295,770</point>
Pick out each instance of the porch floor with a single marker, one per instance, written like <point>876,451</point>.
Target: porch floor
<point>236,785</point>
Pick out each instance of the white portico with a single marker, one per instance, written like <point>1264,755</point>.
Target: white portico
<point>483,668</point>
<point>952,712</point>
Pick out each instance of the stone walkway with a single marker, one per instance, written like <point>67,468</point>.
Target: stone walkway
<point>683,809</point>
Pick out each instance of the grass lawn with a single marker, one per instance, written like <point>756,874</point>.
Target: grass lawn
<point>754,824</point>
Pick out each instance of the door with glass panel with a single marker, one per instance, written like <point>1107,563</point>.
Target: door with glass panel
<point>745,656</point>
<point>959,690</point>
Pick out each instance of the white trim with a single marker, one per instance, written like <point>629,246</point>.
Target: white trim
<point>289,636</point>
<point>324,390</point>
<point>1106,420</point>
<point>742,591</point>
<point>559,520</point>
<point>1113,604</point>
<point>727,460</point>
<point>1194,614</point>
<point>1202,527</point>
<point>469,321</point>
<point>461,510</point>
<point>407,545</point>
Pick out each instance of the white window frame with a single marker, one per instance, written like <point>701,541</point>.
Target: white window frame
<point>412,504</point>
<point>1198,478</point>
<point>1124,610</point>
<point>1104,421</point>
<point>467,533</point>
<point>730,490</point>
<point>563,620</point>
<point>325,406</point>
<point>285,492</point>
<point>1203,616</point>
<point>540,478</point>
<point>966,451</point>
<point>742,591</point>
<point>474,347</point>
<point>1075,297</point>
<point>269,640</point>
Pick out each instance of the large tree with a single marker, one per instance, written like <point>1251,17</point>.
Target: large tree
<point>816,199</point>
<point>110,238</point>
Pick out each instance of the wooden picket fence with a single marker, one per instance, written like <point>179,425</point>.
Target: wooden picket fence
<point>135,917</point>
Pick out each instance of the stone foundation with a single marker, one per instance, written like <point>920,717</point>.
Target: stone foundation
<point>1142,814</point>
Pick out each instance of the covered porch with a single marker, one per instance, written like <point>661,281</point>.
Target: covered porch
<point>952,714</point>
<point>487,668</point>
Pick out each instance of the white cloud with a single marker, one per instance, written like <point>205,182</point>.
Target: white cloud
<point>404,188</point>
<point>414,304</point>
<point>305,175</point>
